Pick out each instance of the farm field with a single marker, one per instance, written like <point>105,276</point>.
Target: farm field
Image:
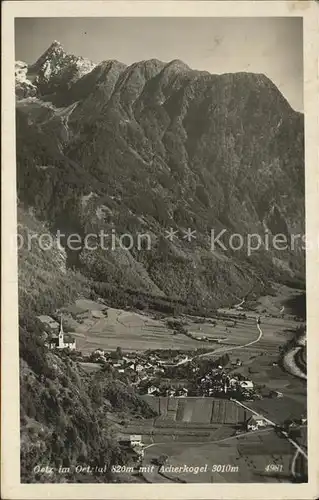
<point>188,420</point>
<point>159,431</point>
<point>133,331</point>
<point>276,331</point>
<point>248,455</point>
<point>129,330</point>
<point>180,435</point>
<point>278,410</point>
<point>196,410</point>
<point>286,299</point>
<point>261,371</point>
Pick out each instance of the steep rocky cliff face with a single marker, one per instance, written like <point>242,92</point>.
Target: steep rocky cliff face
<point>155,146</point>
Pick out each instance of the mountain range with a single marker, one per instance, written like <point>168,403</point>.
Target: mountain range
<point>154,147</point>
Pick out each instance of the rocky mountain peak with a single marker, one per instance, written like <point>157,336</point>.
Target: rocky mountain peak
<point>165,146</point>
<point>56,44</point>
<point>56,47</point>
<point>52,54</point>
<point>178,65</point>
<point>57,68</point>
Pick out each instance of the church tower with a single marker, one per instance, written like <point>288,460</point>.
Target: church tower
<point>61,335</point>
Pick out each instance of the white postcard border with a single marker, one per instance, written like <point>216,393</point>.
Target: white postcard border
<point>10,438</point>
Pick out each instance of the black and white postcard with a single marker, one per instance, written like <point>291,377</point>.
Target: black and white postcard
<point>160,241</point>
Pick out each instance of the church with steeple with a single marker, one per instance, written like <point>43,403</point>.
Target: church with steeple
<point>62,340</point>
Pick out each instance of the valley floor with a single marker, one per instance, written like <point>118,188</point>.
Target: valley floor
<point>200,432</point>
<point>207,433</point>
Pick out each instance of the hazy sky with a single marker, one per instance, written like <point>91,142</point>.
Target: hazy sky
<point>272,46</point>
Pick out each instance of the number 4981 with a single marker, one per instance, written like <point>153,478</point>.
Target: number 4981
<point>273,468</point>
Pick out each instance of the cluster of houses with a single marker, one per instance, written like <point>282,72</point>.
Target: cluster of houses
<point>148,372</point>
<point>218,382</point>
<point>256,422</point>
<point>137,367</point>
<point>178,392</point>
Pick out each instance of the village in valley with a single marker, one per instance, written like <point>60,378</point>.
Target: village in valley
<point>207,379</point>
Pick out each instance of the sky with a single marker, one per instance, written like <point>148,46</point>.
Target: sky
<point>272,46</point>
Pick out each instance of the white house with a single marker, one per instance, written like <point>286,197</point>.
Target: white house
<point>136,440</point>
<point>99,352</point>
<point>170,393</point>
<point>246,384</point>
<point>255,422</point>
<point>151,389</point>
<point>138,368</point>
<point>279,394</point>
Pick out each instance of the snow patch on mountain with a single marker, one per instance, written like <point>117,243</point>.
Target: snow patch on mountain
<point>24,87</point>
